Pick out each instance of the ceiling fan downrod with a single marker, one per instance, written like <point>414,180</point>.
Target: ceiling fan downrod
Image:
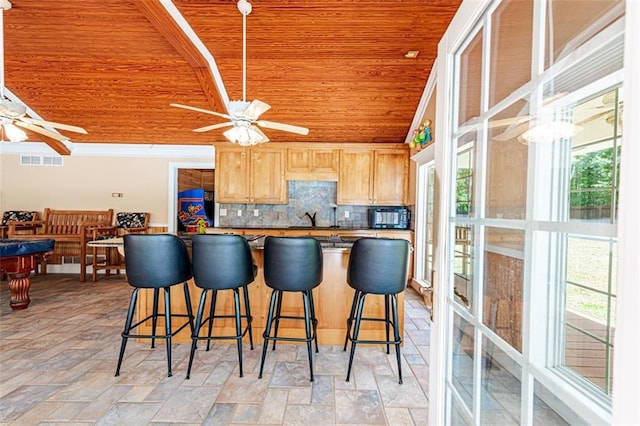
<point>245,8</point>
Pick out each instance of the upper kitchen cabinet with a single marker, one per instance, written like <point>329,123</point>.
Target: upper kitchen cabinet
<point>250,175</point>
<point>312,164</point>
<point>373,177</point>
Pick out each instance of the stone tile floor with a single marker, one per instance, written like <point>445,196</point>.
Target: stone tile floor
<point>58,358</point>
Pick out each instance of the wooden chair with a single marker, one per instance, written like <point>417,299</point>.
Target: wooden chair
<point>132,222</point>
<point>23,220</point>
<point>125,223</point>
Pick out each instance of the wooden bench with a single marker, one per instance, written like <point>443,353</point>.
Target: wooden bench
<point>75,227</point>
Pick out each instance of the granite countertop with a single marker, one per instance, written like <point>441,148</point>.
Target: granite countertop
<point>333,242</point>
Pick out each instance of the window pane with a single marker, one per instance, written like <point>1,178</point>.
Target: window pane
<point>592,184</point>
<point>462,359</point>
<point>590,309</point>
<point>567,20</point>
<point>503,295</point>
<point>428,264</point>
<point>457,418</point>
<point>511,36</point>
<point>588,356</point>
<point>501,384</point>
<point>470,80</point>
<point>549,410</point>
<point>507,164</point>
<point>463,265</point>
<point>588,262</point>
<point>465,178</point>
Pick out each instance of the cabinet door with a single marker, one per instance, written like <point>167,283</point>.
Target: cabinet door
<point>267,176</point>
<point>324,161</point>
<point>356,177</point>
<point>232,175</point>
<point>298,160</point>
<point>312,164</point>
<point>390,176</point>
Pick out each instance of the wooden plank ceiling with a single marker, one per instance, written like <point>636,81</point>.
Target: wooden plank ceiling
<point>114,66</point>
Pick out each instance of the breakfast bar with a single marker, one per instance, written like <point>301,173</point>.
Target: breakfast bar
<point>332,299</point>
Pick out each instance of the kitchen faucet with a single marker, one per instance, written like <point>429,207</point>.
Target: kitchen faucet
<point>312,218</point>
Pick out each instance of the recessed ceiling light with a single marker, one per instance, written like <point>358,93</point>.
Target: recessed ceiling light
<point>411,54</point>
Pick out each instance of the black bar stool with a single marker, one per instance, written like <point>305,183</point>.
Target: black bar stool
<point>222,262</point>
<point>156,261</point>
<point>376,266</point>
<point>292,264</point>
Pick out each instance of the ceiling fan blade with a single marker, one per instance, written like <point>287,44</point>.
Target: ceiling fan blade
<point>213,127</point>
<point>255,109</point>
<point>282,126</point>
<point>258,131</point>
<point>206,111</point>
<point>492,124</point>
<point>54,125</point>
<point>512,132</point>
<point>594,117</point>
<point>42,131</point>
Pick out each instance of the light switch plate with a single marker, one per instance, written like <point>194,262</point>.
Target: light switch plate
<point>239,213</point>
<point>223,212</point>
<point>256,213</point>
<point>346,214</point>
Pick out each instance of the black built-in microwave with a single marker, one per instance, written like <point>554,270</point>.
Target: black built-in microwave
<point>389,217</point>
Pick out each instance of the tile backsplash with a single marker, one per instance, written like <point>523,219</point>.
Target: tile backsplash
<point>317,197</point>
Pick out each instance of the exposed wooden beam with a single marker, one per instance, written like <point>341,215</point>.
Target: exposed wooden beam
<point>56,145</point>
<point>158,15</point>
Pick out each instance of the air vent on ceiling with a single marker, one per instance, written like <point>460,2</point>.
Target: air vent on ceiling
<point>40,160</point>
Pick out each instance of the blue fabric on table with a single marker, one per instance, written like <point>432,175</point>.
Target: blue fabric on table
<point>23,247</point>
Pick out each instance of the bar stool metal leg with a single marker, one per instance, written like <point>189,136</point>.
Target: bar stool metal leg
<point>154,320</point>
<point>267,330</point>
<point>127,328</point>
<point>277,319</point>
<point>356,331</point>
<point>386,319</point>
<point>212,309</point>
<point>307,328</point>
<point>247,311</point>
<point>396,333</point>
<point>236,300</point>
<point>314,320</point>
<point>196,332</point>
<point>350,319</point>
<point>167,326</point>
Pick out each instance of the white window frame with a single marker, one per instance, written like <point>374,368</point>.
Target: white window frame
<point>626,354</point>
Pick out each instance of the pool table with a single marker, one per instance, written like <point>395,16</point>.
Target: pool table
<point>18,258</point>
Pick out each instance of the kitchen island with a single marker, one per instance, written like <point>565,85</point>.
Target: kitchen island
<point>332,297</point>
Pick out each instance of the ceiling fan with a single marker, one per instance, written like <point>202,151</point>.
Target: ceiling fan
<point>13,115</point>
<point>528,128</point>
<point>244,116</point>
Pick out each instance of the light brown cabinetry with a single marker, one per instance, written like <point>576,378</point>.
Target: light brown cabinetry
<point>250,175</point>
<point>373,177</point>
<point>312,164</point>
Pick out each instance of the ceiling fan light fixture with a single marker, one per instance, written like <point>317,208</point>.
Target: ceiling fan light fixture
<point>244,135</point>
<point>549,132</point>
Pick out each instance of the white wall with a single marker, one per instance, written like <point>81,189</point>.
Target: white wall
<point>86,182</point>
